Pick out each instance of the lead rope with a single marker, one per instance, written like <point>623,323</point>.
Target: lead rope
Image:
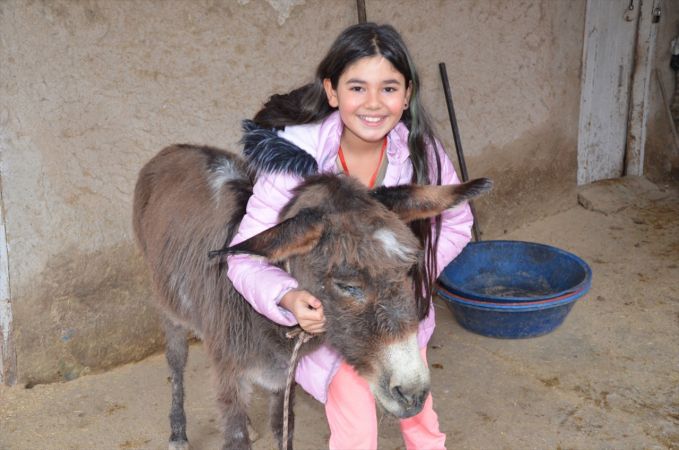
<point>302,337</point>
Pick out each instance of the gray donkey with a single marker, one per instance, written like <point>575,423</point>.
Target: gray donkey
<point>348,246</point>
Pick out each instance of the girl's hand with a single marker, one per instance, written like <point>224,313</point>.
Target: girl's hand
<point>306,308</point>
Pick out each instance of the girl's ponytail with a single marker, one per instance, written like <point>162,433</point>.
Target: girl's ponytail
<point>303,105</point>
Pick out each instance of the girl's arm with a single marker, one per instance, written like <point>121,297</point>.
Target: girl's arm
<point>262,284</point>
<point>456,223</point>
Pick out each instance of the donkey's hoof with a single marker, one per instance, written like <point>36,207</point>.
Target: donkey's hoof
<point>178,445</point>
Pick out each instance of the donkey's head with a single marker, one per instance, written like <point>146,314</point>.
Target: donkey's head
<point>353,250</point>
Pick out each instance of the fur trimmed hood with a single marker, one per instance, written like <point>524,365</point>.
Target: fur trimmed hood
<point>266,152</point>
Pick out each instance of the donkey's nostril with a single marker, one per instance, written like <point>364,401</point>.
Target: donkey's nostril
<point>398,394</point>
<point>409,398</point>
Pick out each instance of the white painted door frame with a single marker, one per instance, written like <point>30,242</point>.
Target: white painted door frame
<point>618,47</point>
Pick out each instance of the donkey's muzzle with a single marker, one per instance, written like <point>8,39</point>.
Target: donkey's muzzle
<point>402,381</point>
<point>411,399</point>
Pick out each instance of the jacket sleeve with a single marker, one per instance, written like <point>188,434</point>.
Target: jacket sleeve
<point>456,223</point>
<point>262,284</point>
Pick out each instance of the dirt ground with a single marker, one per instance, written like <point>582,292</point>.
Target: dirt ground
<point>608,378</point>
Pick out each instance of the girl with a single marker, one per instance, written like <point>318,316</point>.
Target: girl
<point>362,115</point>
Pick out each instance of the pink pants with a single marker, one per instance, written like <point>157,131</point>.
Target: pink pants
<point>352,416</point>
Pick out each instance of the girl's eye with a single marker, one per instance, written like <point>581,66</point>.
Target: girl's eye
<point>390,89</point>
<point>356,88</point>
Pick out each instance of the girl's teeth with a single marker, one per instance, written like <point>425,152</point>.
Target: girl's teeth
<point>372,119</point>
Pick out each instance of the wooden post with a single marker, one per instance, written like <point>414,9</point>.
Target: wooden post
<point>360,6</point>
<point>641,82</point>
<point>7,351</point>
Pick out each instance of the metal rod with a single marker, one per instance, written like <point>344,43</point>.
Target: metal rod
<point>458,142</point>
<point>360,6</point>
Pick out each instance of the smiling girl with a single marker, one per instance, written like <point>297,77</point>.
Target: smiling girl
<point>361,116</point>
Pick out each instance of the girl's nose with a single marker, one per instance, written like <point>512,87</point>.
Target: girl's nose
<point>373,99</point>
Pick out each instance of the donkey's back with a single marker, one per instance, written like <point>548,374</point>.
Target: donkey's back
<point>188,200</point>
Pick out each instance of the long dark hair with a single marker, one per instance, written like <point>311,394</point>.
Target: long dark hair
<point>309,103</point>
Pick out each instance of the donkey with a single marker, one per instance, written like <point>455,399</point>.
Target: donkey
<point>348,246</point>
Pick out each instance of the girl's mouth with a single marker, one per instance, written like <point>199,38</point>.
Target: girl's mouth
<point>372,120</point>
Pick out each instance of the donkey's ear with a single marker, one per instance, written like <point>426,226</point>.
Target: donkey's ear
<point>294,236</point>
<point>413,202</point>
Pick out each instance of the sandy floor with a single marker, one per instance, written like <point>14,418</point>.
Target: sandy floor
<point>608,378</point>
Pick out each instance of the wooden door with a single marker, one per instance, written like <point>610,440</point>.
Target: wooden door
<point>608,59</point>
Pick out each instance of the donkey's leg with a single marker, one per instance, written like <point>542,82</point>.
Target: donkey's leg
<point>233,393</point>
<point>176,352</point>
<point>276,416</point>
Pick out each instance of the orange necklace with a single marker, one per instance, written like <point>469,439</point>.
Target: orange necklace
<point>377,169</point>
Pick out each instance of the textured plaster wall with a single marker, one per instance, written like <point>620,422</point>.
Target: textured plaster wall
<point>514,67</point>
<point>90,90</point>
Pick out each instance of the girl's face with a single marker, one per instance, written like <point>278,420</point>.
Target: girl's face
<point>371,96</point>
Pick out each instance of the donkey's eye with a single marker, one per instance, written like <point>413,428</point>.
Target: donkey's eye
<point>350,290</point>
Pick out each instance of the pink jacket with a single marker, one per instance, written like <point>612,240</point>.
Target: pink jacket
<point>263,285</point>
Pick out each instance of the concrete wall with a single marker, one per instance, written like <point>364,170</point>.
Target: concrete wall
<point>90,90</point>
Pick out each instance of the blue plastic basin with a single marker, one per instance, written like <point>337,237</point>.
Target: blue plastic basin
<point>514,271</point>
<point>513,289</point>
